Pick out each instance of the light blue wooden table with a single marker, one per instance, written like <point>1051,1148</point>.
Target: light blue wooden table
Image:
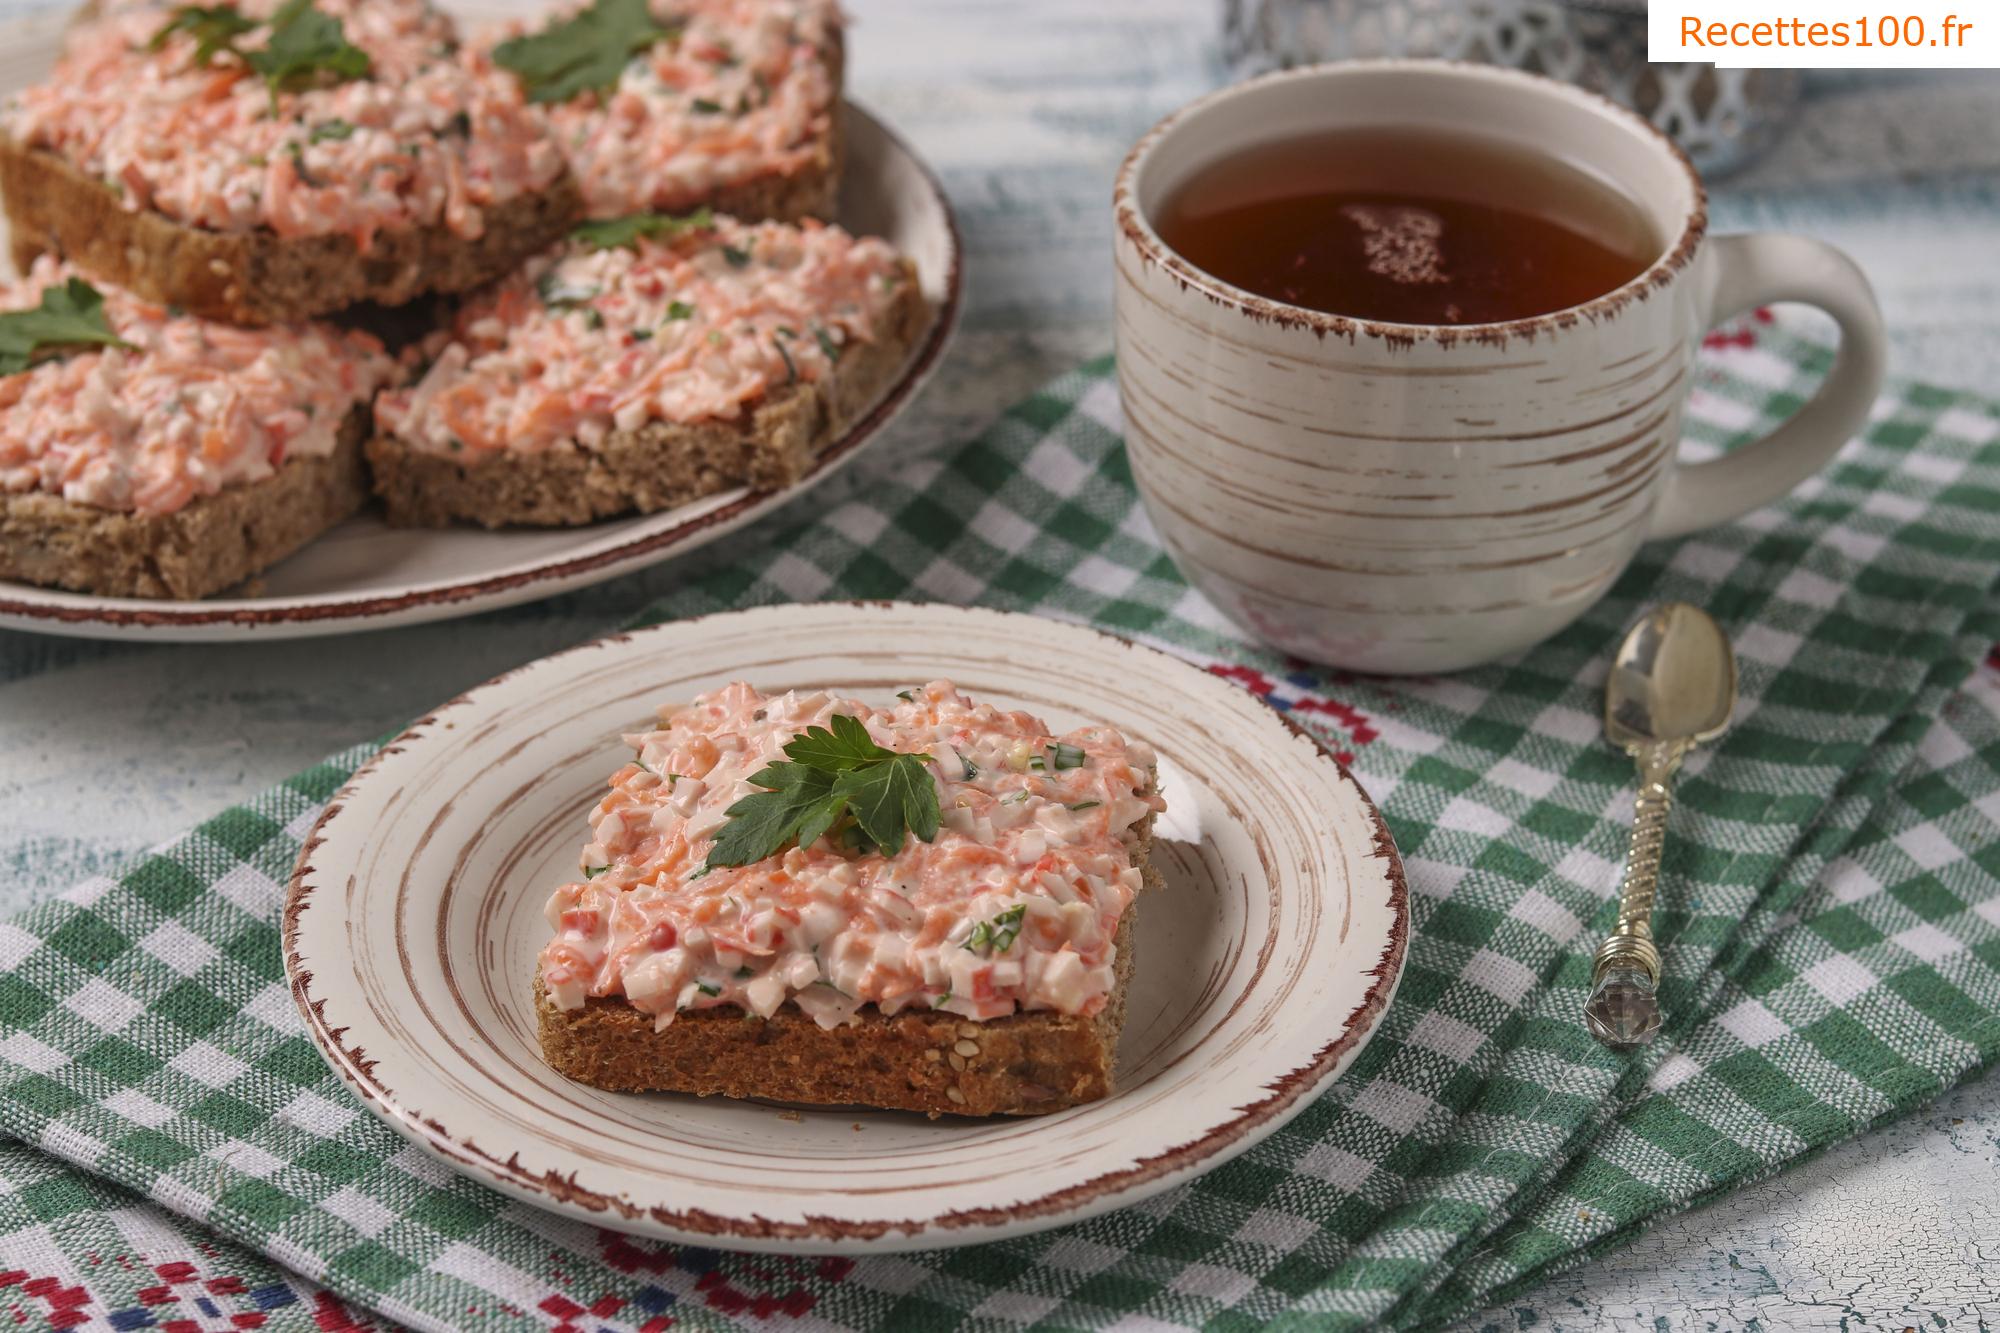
<point>1025,109</point>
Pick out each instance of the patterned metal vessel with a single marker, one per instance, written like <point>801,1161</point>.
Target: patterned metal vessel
<point>1722,118</point>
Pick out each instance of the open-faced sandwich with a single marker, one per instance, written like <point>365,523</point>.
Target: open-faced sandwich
<point>145,453</point>
<point>669,105</point>
<point>924,907</point>
<point>260,162</point>
<point>650,361</point>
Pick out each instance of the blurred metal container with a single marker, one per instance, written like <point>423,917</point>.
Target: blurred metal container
<point>1722,117</point>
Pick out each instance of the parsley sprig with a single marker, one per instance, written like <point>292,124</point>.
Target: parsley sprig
<point>584,53</point>
<point>214,28</point>
<point>834,778</point>
<point>304,46</point>
<point>69,317</point>
<point>611,233</point>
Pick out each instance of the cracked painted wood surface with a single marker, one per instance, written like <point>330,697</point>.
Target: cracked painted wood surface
<point>1025,109</point>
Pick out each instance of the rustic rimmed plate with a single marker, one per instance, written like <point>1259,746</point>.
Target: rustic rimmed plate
<point>415,917</point>
<point>367,575</point>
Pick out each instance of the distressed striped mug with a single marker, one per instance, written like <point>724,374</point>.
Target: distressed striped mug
<point>1410,498</point>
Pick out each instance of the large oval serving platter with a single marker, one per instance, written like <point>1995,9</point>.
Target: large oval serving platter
<point>367,575</point>
<point>1262,967</point>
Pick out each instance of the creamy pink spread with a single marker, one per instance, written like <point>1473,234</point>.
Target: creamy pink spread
<point>746,89</point>
<point>431,134</point>
<point>580,343</point>
<point>189,408</point>
<point>1014,905</point>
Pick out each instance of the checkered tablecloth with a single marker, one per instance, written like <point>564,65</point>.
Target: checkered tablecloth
<point>181,1159</point>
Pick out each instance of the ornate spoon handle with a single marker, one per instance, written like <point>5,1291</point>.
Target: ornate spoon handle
<point>1623,1009</point>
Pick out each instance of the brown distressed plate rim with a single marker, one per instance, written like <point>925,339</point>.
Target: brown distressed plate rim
<point>1283,1097</point>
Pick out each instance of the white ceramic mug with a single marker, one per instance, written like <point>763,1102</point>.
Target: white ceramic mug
<point>1408,498</point>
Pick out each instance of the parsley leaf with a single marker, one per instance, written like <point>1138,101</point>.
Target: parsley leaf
<point>304,45</point>
<point>831,774</point>
<point>584,53</point>
<point>610,233</point>
<point>331,129</point>
<point>679,310</point>
<point>737,258</point>
<point>847,745</point>
<point>214,28</point>
<point>69,317</point>
<point>885,798</point>
<point>762,822</point>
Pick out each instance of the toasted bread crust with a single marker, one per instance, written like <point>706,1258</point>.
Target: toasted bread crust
<point>207,545</point>
<point>918,1060</point>
<point>258,277</point>
<point>659,465</point>
<point>812,191</point>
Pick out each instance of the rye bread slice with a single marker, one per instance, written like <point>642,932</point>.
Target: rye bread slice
<point>659,465</point>
<point>258,277</point>
<point>207,545</point>
<point>917,1060</point>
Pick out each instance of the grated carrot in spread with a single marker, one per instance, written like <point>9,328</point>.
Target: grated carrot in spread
<point>430,135</point>
<point>1015,903</point>
<point>578,343</point>
<point>192,406</point>
<point>744,90</point>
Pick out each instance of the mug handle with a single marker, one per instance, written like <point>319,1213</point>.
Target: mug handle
<point>1754,270</point>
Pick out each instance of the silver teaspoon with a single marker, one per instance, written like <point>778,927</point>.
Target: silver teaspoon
<point>1672,686</point>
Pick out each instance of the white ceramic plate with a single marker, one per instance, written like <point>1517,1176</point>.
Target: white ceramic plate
<point>415,917</point>
<point>367,575</point>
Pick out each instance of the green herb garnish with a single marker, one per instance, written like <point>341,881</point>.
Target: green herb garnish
<point>827,345</point>
<point>737,258</point>
<point>332,129</point>
<point>306,45</point>
<point>706,107</point>
<point>611,233</point>
<point>707,989</point>
<point>831,774</point>
<point>1084,805</point>
<point>592,872</point>
<point>679,310</point>
<point>1067,756</point>
<point>586,53</point>
<point>791,367</point>
<point>214,28</point>
<point>70,317</point>
<point>743,972</point>
<point>999,934</point>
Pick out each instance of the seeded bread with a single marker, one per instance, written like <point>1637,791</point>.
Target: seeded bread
<point>207,545</point>
<point>918,1060</point>
<point>258,277</point>
<point>659,465</point>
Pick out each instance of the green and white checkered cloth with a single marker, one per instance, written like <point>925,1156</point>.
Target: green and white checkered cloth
<point>182,1159</point>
